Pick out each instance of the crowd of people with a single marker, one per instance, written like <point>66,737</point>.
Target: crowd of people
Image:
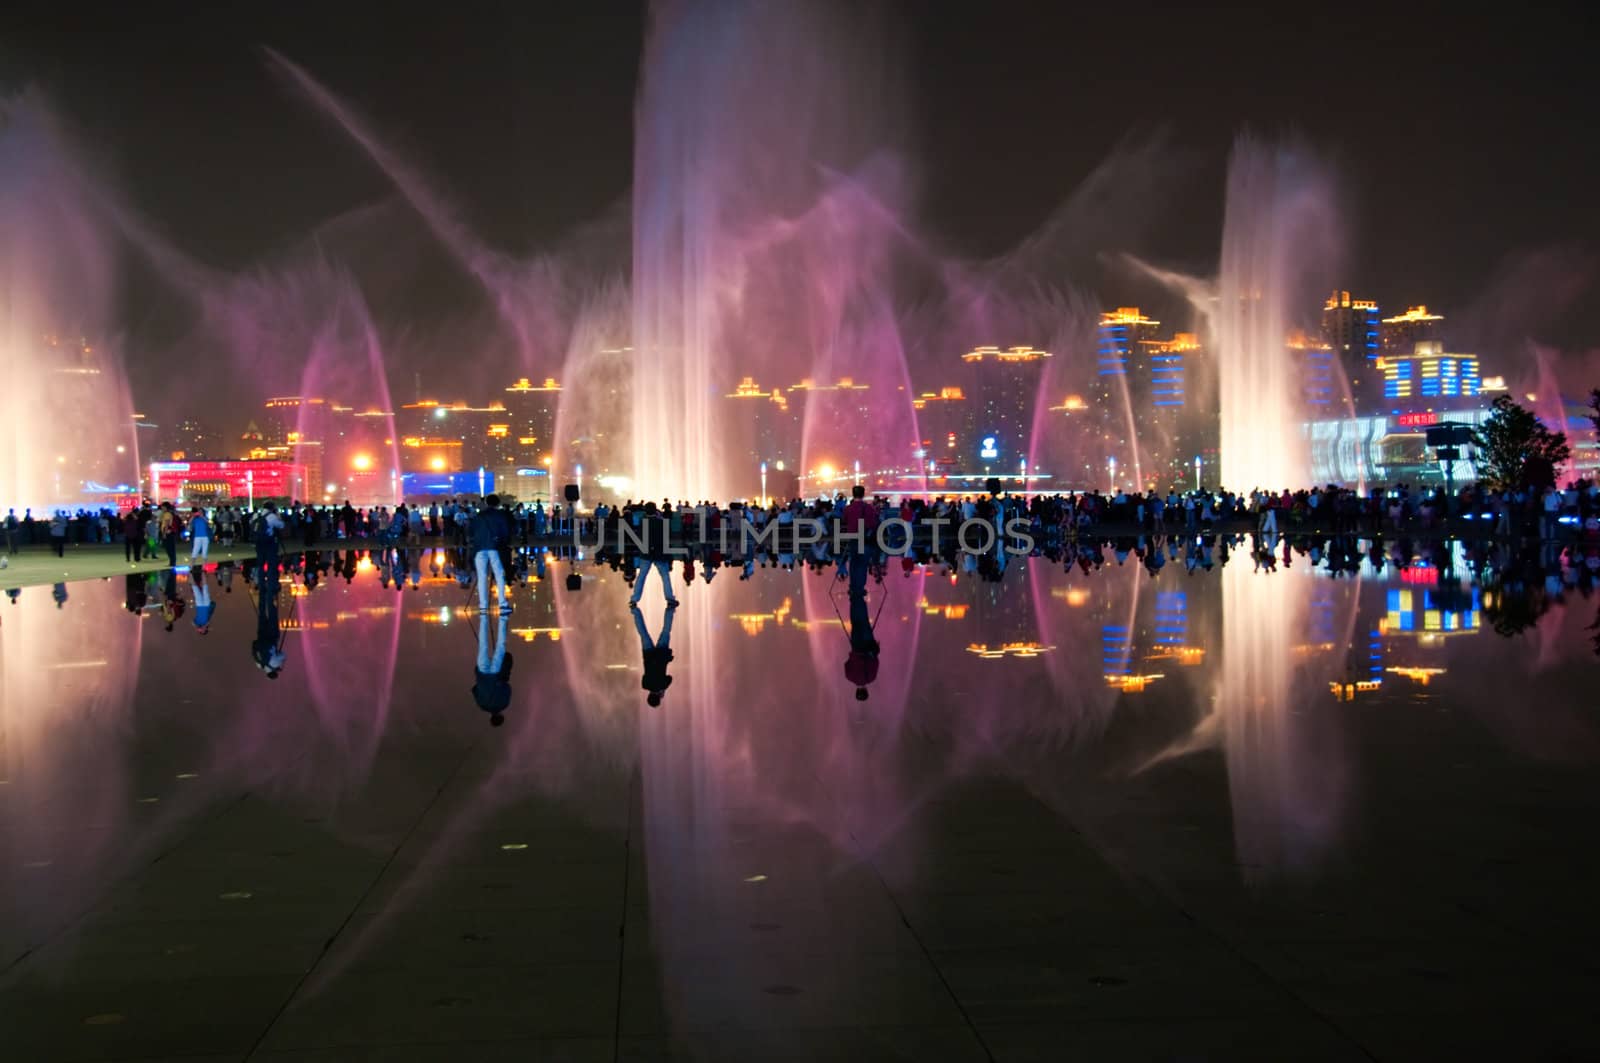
<point>150,529</point>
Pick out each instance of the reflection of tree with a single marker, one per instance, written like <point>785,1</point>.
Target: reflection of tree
<point>1514,607</point>
<point>1595,627</point>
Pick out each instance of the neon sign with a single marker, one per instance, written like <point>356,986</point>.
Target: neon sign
<point>1418,420</point>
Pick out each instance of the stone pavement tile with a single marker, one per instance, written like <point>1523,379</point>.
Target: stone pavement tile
<point>767,923</point>
<point>219,946</point>
<point>1337,912</point>
<point>777,992</point>
<point>910,1044</point>
<point>554,1050</point>
<point>452,1004</point>
<point>245,893</point>
<point>1062,917</point>
<point>1539,1036</point>
<point>501,937</point>
<point>1413,978</point>
<point>129,1018</point>
<point>513,880</point>
<point>1157,981</point>
<point>1259,1039</point>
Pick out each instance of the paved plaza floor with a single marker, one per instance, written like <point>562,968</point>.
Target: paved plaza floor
<point>992,859</point>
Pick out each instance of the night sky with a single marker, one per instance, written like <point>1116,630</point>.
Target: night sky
<point>1465,147</point>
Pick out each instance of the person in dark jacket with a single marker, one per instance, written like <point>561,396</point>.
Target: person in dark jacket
<point>491,531</point>
<point>491,675</point>
<point>656,553</point>
<point>657,655</point>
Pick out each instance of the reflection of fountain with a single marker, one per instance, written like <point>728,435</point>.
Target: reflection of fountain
<point>67,404</point>
<point>1277,229</point>
<point>66,693</point>
<point>1286,786</point>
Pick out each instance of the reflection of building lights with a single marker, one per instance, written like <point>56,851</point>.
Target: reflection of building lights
<point>948,612</point>
<point>1348,691</point>
<point>1075,597</point>
<point>1187,656</point>
<point>1132,684</point>
<point>1420,676</point>
<point>531,634</point>
<point>1008,649</point>
<point>753,623</point>
<point>362,462</point>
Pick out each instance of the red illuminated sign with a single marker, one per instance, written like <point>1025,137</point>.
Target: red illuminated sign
<point>1418,420</point>
<point>1420,576</point>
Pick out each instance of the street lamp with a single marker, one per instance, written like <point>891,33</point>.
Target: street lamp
<point>764,500</point>
<point>1197,472</point>
<point>1111,466</point>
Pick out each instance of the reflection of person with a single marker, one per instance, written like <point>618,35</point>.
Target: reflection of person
<point>171,604</point>
<point>267,648</point>
<point>202,599</point>
<point>657,655</point>
<point>491,676</point>
<point>861,667</point>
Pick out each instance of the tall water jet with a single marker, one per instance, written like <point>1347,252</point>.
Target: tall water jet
<point>745,112</point>
<point>68,410</point>
<point>1279,240</point>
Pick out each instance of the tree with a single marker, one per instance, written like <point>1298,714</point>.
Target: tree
<point>1594,404</point>
<point>1516,449</point>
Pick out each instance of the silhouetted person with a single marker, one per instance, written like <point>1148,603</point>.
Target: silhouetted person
<point>169,526</point>
<point>657,655</point>
<point>655,554</point>
<point>491,676</point>
<point>491,532</point>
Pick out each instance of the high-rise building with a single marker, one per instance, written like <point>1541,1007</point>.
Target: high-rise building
<point>1001,387</point>
<point>1122,333</point>
<point>1169,368</point>
<point>531,410</point>
<point>1432,375</point>
<point>1350,326</point>
<point>1321,387</point>
<point>772,429</point>
<point>1402,333</point>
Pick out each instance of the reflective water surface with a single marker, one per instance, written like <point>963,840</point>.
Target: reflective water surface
<point>1132,800</point>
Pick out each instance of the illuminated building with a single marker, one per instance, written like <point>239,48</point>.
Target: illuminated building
<point>1429,373</point>
<point>531,415</point>
<point>212,482</point>
<point>999,386</point>
<point>1402,333</point>
<point>774,428</point>
<point>1350,326</point>
<point>1167,360</point>
<point>1319,382</point>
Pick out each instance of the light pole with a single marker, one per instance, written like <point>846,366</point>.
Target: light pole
<point>764,502</point>
<point>250,487</point>
<point>1023,469</point>
<point>1111,466</point>
<point>1197,472</point>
